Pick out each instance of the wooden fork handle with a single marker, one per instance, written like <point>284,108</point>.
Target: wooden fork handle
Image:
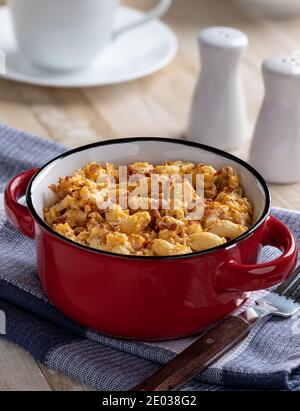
<point>198,356</point>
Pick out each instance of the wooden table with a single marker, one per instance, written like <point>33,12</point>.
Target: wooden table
<point>155,106</point>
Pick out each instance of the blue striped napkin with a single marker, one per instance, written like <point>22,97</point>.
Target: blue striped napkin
<point>268,359</point>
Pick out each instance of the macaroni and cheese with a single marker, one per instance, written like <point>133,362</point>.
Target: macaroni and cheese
<point>139,228</point>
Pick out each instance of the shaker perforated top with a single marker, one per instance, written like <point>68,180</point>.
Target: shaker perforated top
<point>223,37</point>
<point>288,66</point>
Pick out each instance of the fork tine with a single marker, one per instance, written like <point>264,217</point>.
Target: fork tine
<point>290,291</point>
<point>296,296</point>
<point>283,289</point>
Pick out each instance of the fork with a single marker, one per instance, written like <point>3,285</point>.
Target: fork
<point>283,301</point>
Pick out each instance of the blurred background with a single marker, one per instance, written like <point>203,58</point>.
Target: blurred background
<point>157,105</point>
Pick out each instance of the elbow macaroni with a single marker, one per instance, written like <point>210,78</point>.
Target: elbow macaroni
<point>164,248</point>
<point>227,229</point>
<point>142,231</point>
<point>204,241</point>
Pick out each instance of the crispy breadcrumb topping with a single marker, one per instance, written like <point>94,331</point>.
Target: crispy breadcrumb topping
<point>139,229</point>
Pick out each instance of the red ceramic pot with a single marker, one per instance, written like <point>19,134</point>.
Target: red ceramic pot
<point>149,298</point>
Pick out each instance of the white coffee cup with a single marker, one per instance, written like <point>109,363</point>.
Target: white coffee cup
<point>69,34</point>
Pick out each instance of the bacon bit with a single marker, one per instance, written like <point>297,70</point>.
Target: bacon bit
<point>172,227</point>
<point>78,230</point>
<point>225,171</point>
<point>166,226</point>
<point>150,173</point>
<point>93,168</point>
<point>229,189</point>
<point>207,212</point>
<point>114,226</point>
<point>219,183</point>
<point>130,170</point>
<point>103,235</point>
<point>62,219</point>
<point>53,188</point>
<point>155,215</point>
<point>148,242</point>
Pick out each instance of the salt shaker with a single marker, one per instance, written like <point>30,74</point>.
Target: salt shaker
<point>275,150</point>
<point>218,113</point>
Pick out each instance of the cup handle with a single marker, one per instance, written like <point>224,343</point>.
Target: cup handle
<point>18,215</point>
<point>232,276</point>
<point>158,11</point>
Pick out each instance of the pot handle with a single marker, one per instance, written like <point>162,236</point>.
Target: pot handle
<point>232,276</point>
<point>18,215</point>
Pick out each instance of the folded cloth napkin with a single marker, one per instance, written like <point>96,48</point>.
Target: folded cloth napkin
<point>268,359</point>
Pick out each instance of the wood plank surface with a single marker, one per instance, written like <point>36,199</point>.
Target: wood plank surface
<point>154,106</point>
<point>18,371</point>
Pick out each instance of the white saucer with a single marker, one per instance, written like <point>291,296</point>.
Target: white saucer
<point>135,54</point>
